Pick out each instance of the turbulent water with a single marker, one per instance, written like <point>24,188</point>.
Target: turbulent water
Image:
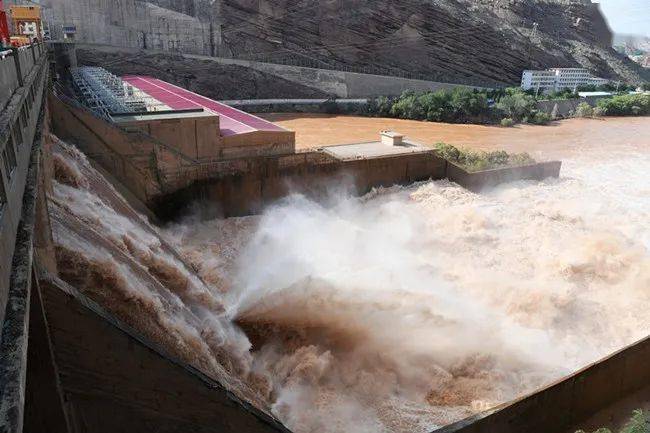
<point>400,311</point>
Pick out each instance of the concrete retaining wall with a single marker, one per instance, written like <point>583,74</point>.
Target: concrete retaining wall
<point>339,83</point>
<point>300,105</point>
<point>246,187</point>
<point>480,180</point>
<point>564,404</point>
<point>566,107</point>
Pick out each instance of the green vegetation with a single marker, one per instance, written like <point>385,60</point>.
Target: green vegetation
<point>626,105</point>
<point>479,160</point>
<point>639,423</point>
<point>461,105</point>
<point>609,87</point>
<point>584,110</point>
<point>456,106</point>
<point>516,105</point>
<point>501,106</point>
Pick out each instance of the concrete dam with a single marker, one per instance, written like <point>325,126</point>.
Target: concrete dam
<point>177,266</point>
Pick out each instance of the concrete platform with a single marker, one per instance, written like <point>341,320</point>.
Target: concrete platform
<point>373,149</point>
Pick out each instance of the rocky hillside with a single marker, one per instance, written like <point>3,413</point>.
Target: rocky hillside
<point>475,41</point>
<point>490,40</point>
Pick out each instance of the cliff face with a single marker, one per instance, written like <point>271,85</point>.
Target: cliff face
<point>484,39</point>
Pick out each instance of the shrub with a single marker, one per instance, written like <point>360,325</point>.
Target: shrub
<point>539,118</point>
<point>467,102</point>
<point>584,110</point>
<point>507,122</point>
<point>479,160</point>
<point>626,105</point>
<point>408,107</point>
<point>598,112</point>
<point>639,423</point>
<point>516,105</point>
<point>380,106</point>
<point>437,106</point>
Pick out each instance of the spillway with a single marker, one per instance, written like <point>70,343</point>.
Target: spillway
<point>403,310</point>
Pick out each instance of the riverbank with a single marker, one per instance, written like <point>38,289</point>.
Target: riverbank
<point>557,140</point>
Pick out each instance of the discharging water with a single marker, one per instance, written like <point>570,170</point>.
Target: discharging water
<point>399,311</point>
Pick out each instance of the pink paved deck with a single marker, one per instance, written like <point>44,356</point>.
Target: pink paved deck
<point>231,120</point>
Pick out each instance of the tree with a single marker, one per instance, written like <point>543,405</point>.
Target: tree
<point>516,105</point>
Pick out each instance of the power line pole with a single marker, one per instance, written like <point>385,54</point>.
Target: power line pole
<point>533,34</point>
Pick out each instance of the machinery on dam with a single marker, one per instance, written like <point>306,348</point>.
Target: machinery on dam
<point>70,363</point>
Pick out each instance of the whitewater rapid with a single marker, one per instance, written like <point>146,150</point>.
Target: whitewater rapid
<point>412,307</point>
<point>399,311</point>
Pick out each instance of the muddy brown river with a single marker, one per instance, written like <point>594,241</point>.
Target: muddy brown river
<point>563,138</point>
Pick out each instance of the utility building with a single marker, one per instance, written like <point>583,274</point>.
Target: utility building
<point>556,79</point>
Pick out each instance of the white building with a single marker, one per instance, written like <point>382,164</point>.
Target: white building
<point>555,79</point>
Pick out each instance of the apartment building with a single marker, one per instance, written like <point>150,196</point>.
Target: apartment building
<point>555,79</point>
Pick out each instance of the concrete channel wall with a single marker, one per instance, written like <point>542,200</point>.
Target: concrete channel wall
<point>563,405</point>
<point>114,380</point>
<point>480,180</point>
<point>235,188</point>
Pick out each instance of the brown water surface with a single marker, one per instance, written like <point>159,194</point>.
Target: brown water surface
<point>562,138</point>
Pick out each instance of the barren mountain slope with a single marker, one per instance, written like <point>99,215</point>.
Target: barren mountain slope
<point>490,40</point>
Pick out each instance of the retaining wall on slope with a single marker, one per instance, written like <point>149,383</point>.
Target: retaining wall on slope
<point>338,84</point>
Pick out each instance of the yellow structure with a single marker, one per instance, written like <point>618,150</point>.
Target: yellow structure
<point>26,23</point>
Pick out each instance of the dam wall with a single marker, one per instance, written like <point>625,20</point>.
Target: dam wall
<point>130,24</point>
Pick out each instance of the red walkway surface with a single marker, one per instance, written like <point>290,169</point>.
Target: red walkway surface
<point>231,120</point>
